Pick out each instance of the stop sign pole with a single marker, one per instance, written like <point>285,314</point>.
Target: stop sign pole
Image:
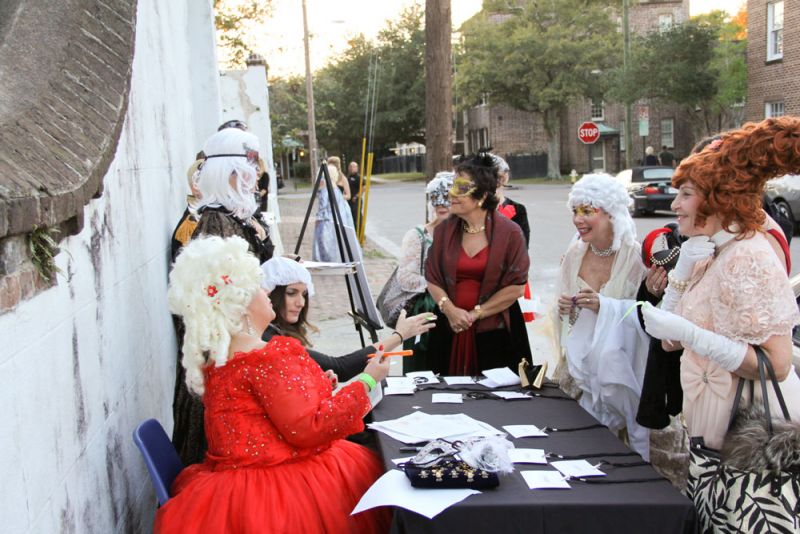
<point>588,134</point>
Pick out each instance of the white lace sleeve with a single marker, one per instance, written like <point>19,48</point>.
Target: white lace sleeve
<point>408,272</point>
<point>754,299</point>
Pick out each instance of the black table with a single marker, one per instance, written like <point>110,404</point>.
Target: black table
<point>647,507</point>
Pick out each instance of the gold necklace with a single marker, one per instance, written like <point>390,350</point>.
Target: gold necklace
<point>469,230</point>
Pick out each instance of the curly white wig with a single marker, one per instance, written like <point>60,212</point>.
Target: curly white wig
<point>211,285</point>
<point>213,178</point>
<point>603,191</point>
<point>280,271</point>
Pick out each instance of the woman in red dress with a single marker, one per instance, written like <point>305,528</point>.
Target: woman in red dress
<point>276,460</point>
<point>476,270</point>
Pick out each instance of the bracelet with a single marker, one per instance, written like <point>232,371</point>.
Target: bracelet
<point>367,379</point>
<point>442,301</point>
<point>478,311</point>
<point>678,285</point>
<point>398,335</point>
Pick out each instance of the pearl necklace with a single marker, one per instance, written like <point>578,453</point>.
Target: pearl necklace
<point>602,253</point>
<point>469,230</point>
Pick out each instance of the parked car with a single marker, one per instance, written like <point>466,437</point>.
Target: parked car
<point>785,193</point>
<point>650,188</point>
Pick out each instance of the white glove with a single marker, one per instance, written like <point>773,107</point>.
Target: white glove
<point>694,249</point>
<point>670,299</point>
<point>661,324</point>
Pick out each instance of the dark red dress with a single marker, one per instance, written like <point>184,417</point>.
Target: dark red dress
<point>276,461</point>
<point>469,275</point>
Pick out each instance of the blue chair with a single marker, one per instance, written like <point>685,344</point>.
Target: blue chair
<point>160,455</point>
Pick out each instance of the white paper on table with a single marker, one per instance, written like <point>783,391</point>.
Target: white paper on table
<point>577,468</point>
<point>527,456</point>
<point>399,382</point>
<point>511,395</point>
<point>501,376</point>
<point>443,398</point>
<point>525,431</point>
<point>455,380</point>
<point>394,489</point>
<point>544,480</point>
<point>398,461</point>
<point>429,377</point>
<point>398,390</point>
<point>421,427</point>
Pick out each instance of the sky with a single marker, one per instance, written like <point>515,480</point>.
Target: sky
<point>332,23</point>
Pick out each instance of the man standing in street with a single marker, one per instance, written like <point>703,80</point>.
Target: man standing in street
<point>666,158</point>
<point>354,181</point>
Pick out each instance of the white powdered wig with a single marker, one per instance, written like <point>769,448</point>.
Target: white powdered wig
<point>211,285</point>
<point>280,271</point>
<point>214,176</point>
<point>500,164</point>
<point>603,191</point>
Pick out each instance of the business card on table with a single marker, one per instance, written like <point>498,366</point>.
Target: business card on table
<point>577,468</point>
<point>527,456</point>
<point>545,480</point>
<point>525,431</point>
<point>398,390</point>
<point>453,398</point>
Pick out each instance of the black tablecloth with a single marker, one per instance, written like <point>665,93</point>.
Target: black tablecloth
<point>647,507</point>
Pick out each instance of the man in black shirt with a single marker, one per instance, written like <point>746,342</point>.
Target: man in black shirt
<point>354,181</point>
<point>666,158</point>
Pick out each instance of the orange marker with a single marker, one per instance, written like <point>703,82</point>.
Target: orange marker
<point>396,353</point>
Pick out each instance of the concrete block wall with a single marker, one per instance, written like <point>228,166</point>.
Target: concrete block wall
<point>86,360</point>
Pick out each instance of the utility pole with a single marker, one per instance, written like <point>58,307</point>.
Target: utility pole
<point>438,88</point>
<point>626,64</point>
<point>312,126</point>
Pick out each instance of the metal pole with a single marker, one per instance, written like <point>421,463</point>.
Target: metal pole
<point>626,63</point>
<point>312,128</point>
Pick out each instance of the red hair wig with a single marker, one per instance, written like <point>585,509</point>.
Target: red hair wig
<point>731,172</point>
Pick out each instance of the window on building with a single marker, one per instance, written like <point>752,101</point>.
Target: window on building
<point>664,22</point>
<point>668,132</point>
<point>774,30</point>
<point>598,109</point>
<point>773,109</point>
<point>598,154</point>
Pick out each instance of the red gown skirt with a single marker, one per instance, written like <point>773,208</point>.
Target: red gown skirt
<point>313,495</point>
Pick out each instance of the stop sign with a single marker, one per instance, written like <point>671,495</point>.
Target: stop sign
<point>588,133</point>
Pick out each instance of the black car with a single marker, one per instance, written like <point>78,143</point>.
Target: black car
<point>650,188</point>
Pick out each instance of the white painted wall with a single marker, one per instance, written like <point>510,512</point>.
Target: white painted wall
<point>85,361</point>
<point>245,96</point>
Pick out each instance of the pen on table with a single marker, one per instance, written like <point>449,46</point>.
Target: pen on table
<point>395,353</point>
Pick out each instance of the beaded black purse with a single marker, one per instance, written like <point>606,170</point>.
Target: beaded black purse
<point>437,466</point>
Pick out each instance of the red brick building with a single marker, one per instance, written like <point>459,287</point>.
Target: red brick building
<point>511,131</point>
<point>773,59</point>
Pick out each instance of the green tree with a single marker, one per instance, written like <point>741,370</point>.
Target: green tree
<point>340,88</point>
<point>699,65</point>
<point>539,56</point>
<point>233,19</point>
<point>287,110</point>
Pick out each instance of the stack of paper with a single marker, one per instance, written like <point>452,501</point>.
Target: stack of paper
<point>419,427</point>
<point>500,377</point>
<point>399,385</point>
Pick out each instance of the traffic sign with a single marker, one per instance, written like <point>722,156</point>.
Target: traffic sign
<point>588,133</point>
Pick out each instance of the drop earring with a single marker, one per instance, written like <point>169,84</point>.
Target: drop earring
<point>247,326</point>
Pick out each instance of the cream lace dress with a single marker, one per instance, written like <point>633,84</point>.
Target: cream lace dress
<point>742,293</point>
